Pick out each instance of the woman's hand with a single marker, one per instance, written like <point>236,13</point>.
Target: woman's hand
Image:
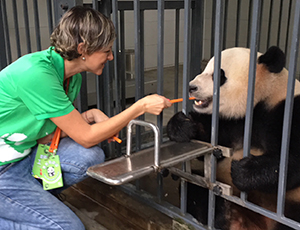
<point>94,116</point>
<point>155,103</point>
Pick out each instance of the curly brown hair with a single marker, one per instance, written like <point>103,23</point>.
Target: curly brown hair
<point>82,24</point>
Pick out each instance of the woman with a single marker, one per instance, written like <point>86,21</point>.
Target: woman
<point>33,103</point>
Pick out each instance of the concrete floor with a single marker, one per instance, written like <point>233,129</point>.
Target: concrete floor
<point>105,207</point>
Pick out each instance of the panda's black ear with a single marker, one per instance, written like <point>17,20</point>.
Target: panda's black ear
<point>274,59</point>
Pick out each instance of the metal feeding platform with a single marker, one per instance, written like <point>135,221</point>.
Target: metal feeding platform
<point>134,166</point>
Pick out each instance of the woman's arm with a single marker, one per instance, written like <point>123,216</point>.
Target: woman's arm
<point>75,126</point>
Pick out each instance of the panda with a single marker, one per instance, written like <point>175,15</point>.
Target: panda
<point>258,173</point>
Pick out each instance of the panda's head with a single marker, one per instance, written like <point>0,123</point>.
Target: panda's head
<point>270,84</point>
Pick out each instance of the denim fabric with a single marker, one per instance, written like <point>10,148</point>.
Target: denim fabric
<point>24,205</point>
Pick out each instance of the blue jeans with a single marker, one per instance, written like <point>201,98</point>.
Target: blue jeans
<point>23,202</point>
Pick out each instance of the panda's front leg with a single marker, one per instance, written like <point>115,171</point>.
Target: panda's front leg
<point>256,173</point>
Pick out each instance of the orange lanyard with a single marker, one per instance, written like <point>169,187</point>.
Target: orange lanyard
<point>56,137</point>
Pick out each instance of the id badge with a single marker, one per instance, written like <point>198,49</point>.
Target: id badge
<point>47,168</point>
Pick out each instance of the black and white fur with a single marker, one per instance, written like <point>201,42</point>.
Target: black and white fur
<point>258,173</point>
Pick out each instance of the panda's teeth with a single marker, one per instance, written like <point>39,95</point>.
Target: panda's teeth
<point>198,102</point>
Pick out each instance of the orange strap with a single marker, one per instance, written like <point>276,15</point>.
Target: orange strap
<point>56,137</point>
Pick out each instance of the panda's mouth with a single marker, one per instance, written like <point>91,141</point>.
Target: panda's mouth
<point>202,103</point>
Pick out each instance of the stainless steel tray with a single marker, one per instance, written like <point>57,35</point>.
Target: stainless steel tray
<point>131,167</point>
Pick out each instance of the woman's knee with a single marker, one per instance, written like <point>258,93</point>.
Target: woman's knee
<point>95,155</point>
<point>75,158</point>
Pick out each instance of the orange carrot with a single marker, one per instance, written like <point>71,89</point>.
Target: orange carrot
<point>181,99</point>
<point>117,139</point>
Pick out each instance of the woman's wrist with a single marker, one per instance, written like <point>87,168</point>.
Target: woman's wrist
<point>140,107</point>
<point>86,118</point>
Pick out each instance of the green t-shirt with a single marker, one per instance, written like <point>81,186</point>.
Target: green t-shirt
<point>31,92</point>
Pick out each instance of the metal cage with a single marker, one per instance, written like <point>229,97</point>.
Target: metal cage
<point>201,29</point>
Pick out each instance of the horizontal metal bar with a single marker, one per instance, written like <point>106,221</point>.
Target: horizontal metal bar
<point>262,211</point>
<point>201,181</point>
<point>152,5</point>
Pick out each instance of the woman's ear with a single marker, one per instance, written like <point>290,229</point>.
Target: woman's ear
<point>80,48</point>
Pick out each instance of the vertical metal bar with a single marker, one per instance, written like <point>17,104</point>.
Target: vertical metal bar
<point>117,64</point>
<point>187,52</point>
<point>116,58</point>
<point>288,112</point>
<point>16,24</point>
<point>225,23</point>
<point>288,28</point>
<point>99,92</point>
<point>215,112</point>
<point>251,80</point>
<point>142,55</point>
<point>106,7</point>
<point>122,59</point>
<point>237,30</point>
<point>183,189</point>
<point>95,4</point>
<point>6,32</point>
<point>270,23</point>
<point>82,96</point>
<point>50,16</point>
<point>252,75</point>
<point>260,23</point>
<point>279,23</point>
<point>27,30</point>
<point>197,38</point>
<point>137,36</point>
<point>160,78</point>
<point>249,24</point>
<point>141,76</point>
<point>197,26</point>
<point>3,60</point>
<point>121,68</point>
<point>176,75</point>
<point>160,184</point>
<point>37,25</point>
<point>160,56</point>
<point>213,22</point>
<point>137,39</point>
<point>217,71</point>
<point>186,74</point>
<point>99,80</point>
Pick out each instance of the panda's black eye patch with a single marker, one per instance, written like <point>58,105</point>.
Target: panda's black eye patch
<point>223,78</point>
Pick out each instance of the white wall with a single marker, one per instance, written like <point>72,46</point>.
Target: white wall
<point>150,29</point>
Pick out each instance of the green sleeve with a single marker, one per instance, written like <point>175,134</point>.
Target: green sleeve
<point>43,94</point>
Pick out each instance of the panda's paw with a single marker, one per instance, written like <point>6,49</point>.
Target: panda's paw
<point>243,173</point>
<point>180,128</point>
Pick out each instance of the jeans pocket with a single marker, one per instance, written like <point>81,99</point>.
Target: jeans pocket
<point>4,168</point>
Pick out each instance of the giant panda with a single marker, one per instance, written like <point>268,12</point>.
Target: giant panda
<point>258,173</point>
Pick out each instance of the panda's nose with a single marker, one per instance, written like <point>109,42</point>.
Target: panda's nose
<point>192,88</point>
